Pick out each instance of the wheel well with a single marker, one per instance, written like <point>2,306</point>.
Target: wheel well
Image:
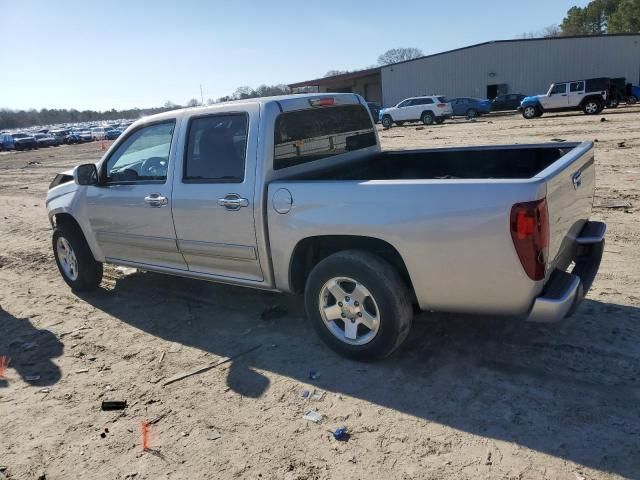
<point>66,219</point>
<point>597,98</point>
<point>310,251</point>
<point>429,112</point>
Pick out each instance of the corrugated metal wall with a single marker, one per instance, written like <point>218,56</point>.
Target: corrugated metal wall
<point>527,66</point>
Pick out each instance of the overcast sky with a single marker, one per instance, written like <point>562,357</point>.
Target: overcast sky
<point>123,54</point>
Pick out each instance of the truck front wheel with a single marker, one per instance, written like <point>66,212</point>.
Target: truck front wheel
<point>358,304</point>
<point>74,259</point>
<point>530,112</point>
<point>387,121</point>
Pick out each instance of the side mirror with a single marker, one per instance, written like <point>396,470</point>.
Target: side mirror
<point>86,174</point>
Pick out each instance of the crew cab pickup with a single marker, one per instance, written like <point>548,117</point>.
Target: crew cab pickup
<point>589,95</point>
<point>293,194</point>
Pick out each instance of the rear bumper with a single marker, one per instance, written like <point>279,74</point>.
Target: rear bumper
<point>565,290</point>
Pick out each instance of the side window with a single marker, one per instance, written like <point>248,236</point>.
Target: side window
<point>577,87</point>
<point>404,104</point>
<point>216,149</point>
<point>559,88</point>
<point>427,101</point>
<point>143,156</point>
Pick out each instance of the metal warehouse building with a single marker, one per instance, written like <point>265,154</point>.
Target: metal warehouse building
<point>506,66</point>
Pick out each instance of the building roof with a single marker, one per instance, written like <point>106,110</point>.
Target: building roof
<point>515,40</point>
<point>343,77</point>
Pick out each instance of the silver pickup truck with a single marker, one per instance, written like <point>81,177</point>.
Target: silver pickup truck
<point>294,194</point>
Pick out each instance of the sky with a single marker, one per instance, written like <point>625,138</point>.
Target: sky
<point>122,54</point>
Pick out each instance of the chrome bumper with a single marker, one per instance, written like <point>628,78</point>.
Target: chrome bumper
<point>565,290</point>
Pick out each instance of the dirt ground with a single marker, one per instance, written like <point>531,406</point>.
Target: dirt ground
<point>466,398</point>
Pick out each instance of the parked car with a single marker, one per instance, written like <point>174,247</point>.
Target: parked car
<point>112,134</point>
<point>98,133</point>
<point>364,233</point>
<point>470,107</point>
<point>374,108</point>
<point>589,95</point>
<point>428,110</point>
<point>617,92</point>
<point>510,101</point>
<point>46,140</point>
<point>24,141</point>
<point>83,135</point>
<point>6,141</point>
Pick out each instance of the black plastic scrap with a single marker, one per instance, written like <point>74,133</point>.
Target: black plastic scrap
<point>109,405</point>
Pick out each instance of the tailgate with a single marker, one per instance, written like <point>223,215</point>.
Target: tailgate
<point>570,190</point>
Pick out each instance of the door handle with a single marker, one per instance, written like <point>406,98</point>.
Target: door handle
<point>155,200</point>
<point>233,201</point>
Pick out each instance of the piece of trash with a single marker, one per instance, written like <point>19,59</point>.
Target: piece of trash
<point>614,205</point>
<point>32,378</point>
<point>318,395</point>
<point>161,357</point>
<point>63,334</point>
<point>126,270</point>
<point>159,417</point>
<point>341,434</point>
<point>213,435</point>
<point>83,370</point>
<point>304,394</point>
<point>579,476</point>
<point>313,416</point>
<point>44,390</point>
<point>313,375</point>
<point>274,312</point>
<point>145,436</point>
<point>419,128</point>
<point>622,145</point>
<point>206,368</point>
<point>4,363</point>
<point>103,435</point>
<point>603,119</point>
<point>558,140</point>
<point>109,405</point>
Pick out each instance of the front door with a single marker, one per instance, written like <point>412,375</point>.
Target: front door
<point>557,97</point>
<point>130,211</point>
<point>213,196</point>
<point>403,111</point>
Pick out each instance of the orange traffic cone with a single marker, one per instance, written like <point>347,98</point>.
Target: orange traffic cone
<point>103,147</point>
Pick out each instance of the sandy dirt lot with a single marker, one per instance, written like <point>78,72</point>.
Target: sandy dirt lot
<point>466,398</point>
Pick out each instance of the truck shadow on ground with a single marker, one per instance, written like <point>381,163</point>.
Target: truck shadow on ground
<point>30,351</point>
<point>569,390</point>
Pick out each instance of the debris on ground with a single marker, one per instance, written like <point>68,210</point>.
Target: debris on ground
<point>274,312</point>
<point>318,395</point>
<point>313,416</point>
<point>614,205</point>
<point>305,394</point>
<point>341,434</point>
<point>109,405</point>
<point>558,140</point>
<point>213,434</point>
<point>159,417</point>
<point>83,370</point>
<point>206,368</point>
<point>623,145</point>
<point>603,119</point>
<point>420,128</point>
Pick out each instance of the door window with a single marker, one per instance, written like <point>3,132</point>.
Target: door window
<point>216,149</point>
<point>143,156</point>
<point>405,103</point>
<point>576,87</point>
<point>559,88</point>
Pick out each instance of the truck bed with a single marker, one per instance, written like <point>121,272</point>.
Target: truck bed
<point>510,162</point>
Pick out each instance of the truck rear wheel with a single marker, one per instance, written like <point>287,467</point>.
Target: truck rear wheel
<point>74,259</point>
<point>358,304</point>
<point>591,107</point>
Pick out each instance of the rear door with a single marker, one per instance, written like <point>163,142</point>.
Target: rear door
<point>213,195</point>
<point>130,212</point>
<point>576,93</point>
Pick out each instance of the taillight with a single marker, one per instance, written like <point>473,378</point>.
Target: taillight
<point>530,235</point>
<point>442,105</point>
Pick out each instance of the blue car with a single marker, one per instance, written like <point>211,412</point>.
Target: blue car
<point>112,134</point>
<point>6,142</point>
<point>470,107</point>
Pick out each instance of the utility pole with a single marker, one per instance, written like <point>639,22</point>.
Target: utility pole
<point>201,96</point>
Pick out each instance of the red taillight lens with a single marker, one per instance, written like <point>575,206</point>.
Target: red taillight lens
<point>322,102</point>
<point>530,235</point>
<point>442,105</point>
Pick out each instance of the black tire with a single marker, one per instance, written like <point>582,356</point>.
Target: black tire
<point>529,112</point>
<point>389,291</point>
<point>592,107</point>
<point>89,271</point>
<point>632,100</point>
<point>428,118</point>
<point>471,113</point>
<point>387,121</point>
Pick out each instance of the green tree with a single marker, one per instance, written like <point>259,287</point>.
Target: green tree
<point>626,19</point>
<point>590,20</point>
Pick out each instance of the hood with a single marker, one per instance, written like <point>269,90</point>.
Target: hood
<point>531,98</point>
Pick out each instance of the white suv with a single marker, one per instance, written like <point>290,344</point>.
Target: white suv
<point>428,110</point>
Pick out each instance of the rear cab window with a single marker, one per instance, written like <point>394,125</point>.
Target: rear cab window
<point>308,135</point>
